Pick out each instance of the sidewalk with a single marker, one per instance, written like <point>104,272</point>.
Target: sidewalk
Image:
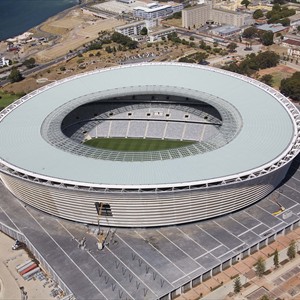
<point>245,270</point>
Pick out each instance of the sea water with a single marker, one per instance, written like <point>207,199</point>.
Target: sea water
<point>17,16</point>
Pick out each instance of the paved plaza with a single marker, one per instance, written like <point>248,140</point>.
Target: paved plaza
<point>150,263</point>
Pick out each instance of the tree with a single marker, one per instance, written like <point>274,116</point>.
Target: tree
<point>276,259</point>
<point>15,75</point>
<point>267,79</point>
<point>198,58</point>
<point>108,49</point>
<point>260,267</point>
<point>232,46</point>
<point>124,40</point>
<point>246,3</point>
<point>249,32</point>
<point>258,14</point>
<point>285,21</point>
<point>144,31</point>
<point>267,38</point>
<point>29,63</point>
<point>280,14</point>
<point>290,87</point>
<point>237,285</point>
<point>264,297</point>
<point>267,59</point>
<point>291,252</point>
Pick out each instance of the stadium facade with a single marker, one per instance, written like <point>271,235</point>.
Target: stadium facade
<point>249,137</point>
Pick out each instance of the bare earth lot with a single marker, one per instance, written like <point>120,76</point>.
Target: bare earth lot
<point>279,72</point>
<point>75,29</point>
<point>10,280</point>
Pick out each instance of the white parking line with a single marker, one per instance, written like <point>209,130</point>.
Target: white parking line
<point>97,262</point>
<point>177,246</point>
<point>143,259</point>
<point>65,253</point>
<point>161,254</point>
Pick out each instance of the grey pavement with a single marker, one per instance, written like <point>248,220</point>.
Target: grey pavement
<point>149,263</point>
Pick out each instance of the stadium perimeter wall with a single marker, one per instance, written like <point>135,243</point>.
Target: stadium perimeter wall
<point>144,209</point>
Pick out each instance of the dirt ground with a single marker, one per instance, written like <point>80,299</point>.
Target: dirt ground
<point>75,29</point>
<point>97,59</point>
<point>279,72</point>
<point>11,280</point>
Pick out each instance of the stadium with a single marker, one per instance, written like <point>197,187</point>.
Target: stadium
<point>178,143</point>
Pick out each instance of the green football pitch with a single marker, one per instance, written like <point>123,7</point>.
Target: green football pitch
<point>135,145</point>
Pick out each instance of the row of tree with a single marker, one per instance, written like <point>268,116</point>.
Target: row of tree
<point>260,266</point>
<point>117,38</point>
<point>278,14</point>
<point>195,58</point>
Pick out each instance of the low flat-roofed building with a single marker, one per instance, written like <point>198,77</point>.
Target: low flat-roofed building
<point>134,29</point>
<point>275,28</point>
<point>293,47</point>
<point>155,11</point>
<point>131,28</point>
<point>226,30</point>
<point>158,34</point>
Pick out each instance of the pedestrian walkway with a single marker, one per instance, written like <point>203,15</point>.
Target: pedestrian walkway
<point>285,281</point>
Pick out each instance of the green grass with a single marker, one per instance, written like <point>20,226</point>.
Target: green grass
<point>135,145</point>
<point>6,99</point>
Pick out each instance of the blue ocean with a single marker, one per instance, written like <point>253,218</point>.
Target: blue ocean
<point>17,16</point>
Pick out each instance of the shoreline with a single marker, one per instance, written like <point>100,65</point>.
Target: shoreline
<point>59,14</point>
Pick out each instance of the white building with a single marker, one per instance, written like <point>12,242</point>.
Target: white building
<point>4,62</point>
<point>157,35</point>
<point>155,11</point>
<point>131,28</point>
<point>134,29</point>
<point>293,47</point>
<point>196,16</point>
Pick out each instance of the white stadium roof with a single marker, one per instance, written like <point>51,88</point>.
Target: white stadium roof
<point>268,130</point>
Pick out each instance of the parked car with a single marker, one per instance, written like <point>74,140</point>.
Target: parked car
<point>16,245</point>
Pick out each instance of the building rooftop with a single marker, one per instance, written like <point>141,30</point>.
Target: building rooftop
<point>292,42</point>
<point>226,29</point>
<point>271,27</point>
<point>267,128</point>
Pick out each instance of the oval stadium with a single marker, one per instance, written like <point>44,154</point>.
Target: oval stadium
<point>147,144</point>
